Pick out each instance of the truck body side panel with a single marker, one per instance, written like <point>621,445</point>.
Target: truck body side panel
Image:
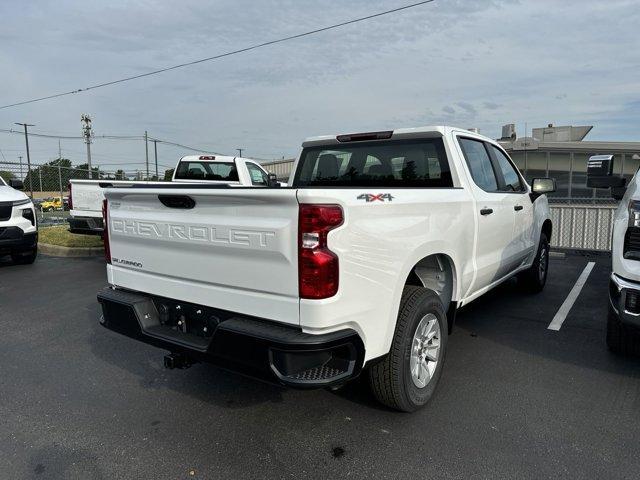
<point>378,245</point>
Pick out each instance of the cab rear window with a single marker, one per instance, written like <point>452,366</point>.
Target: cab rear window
<point>400,163</point>
<point>221,171</point>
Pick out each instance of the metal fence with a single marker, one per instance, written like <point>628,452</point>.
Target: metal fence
<point>578,223</point>
<point>583,227</point>
<point>47,184</point>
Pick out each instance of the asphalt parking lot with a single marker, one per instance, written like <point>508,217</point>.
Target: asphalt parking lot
<point>516,400</point>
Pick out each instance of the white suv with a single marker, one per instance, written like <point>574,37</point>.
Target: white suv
<point>18,225</point>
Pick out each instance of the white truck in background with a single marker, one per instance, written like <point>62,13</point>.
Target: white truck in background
<point>623,320</point>
<point>359,265</point>
<point>86,196</point>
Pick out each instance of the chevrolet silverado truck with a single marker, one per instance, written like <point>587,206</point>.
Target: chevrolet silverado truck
<point>358,266</point>
<point>623,319</point>
<point>86,196</point>
<point>18,224</point>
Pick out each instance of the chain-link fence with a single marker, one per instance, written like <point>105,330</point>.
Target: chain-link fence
<point>48,184</point>
<point>578,223</point>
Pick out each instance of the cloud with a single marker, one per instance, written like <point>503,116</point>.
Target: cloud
<point>456,62</point>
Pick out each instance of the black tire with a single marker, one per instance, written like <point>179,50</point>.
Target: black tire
<point>534,278</point>
<point>621,340</point>
<point>391,379</point>
<point>25,258</point>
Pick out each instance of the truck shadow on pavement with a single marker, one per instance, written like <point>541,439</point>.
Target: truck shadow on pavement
<point>518,320</point>
<point>204,381</point>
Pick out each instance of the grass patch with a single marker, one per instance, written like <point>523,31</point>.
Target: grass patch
<point>61,236</point>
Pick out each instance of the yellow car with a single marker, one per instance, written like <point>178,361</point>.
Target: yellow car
<point>51,204</point>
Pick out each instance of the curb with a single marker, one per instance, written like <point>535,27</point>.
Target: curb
<point>58,251</point>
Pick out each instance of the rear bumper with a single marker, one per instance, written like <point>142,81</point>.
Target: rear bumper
<point>86,225</point>
<point>13,240</point>
<point>624,299</point>
<point>249,345</point>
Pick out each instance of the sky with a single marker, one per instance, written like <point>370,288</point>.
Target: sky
<point>473,63</point>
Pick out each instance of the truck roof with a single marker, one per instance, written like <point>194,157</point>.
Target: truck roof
<point>427,131</point>
<point>213,158</point>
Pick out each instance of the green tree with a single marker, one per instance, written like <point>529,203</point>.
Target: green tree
<point>168,174</point>
<point>6,175</point>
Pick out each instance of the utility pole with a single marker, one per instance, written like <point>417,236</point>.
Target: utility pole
<point>60,172</point>
<point>26,141</point>
<point>20,158</point>
<point>146,151</point>
<point>86,131</point>
<point>239,151</point>
<point>155,151</point>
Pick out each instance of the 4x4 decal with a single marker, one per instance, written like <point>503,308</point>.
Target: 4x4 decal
<point>370,197</point>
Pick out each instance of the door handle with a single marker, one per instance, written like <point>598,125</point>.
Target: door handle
<point>486,211</point>
<point>517,208</point>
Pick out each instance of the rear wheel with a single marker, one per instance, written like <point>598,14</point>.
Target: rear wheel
<point>407,377</point>
<point>534,278</point>
<point>25,258</point>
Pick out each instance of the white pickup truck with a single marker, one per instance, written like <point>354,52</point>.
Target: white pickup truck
<point>18,224</point>
<point>360,264</point>
<point>623,321</point>
<point>86,196</point>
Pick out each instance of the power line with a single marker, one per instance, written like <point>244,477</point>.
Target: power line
<point>186,147</point>
<point>216,57</point>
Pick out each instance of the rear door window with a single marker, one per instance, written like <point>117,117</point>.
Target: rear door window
<point>219,171</point>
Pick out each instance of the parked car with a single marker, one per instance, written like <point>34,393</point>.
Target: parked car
<point>359,266</point>
<point>623,320</point>
<point>50,204</point>
<point>86,196</point>
<point>18,224</point>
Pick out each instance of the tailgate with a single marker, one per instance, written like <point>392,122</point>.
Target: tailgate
<point>87,197</point>
<point>235,249</point>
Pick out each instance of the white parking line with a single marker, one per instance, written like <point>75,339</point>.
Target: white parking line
<point>562,313</point>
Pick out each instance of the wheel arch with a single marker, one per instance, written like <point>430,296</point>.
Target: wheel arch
<point>437,272</point>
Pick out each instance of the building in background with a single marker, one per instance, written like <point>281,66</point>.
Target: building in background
<point>559,152</point>
<point>562,153</point>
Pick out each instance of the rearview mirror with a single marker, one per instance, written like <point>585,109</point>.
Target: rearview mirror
<point>543,185</point>
<point>15,183</point>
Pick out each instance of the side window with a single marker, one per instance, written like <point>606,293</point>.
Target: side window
<point>479,164</point>
<point>511,177</point>
<point>258,177</point>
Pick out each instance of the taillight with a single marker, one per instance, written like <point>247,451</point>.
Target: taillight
<point>318,271</point>
<point>105,231</point>
<point>70,197</point>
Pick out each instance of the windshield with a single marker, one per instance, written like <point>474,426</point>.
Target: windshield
<point>195,170</point>
<point>400,163</point>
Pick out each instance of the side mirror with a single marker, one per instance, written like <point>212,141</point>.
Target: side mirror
<point>600,173</point>
<point>273,180</point>
<point>543,185</point>
<point>15,183</point>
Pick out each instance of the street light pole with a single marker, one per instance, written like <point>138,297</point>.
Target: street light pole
<point>26,141</point>
<point>239,152</point>
<point>146,151</point>
<point>155,151</point>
